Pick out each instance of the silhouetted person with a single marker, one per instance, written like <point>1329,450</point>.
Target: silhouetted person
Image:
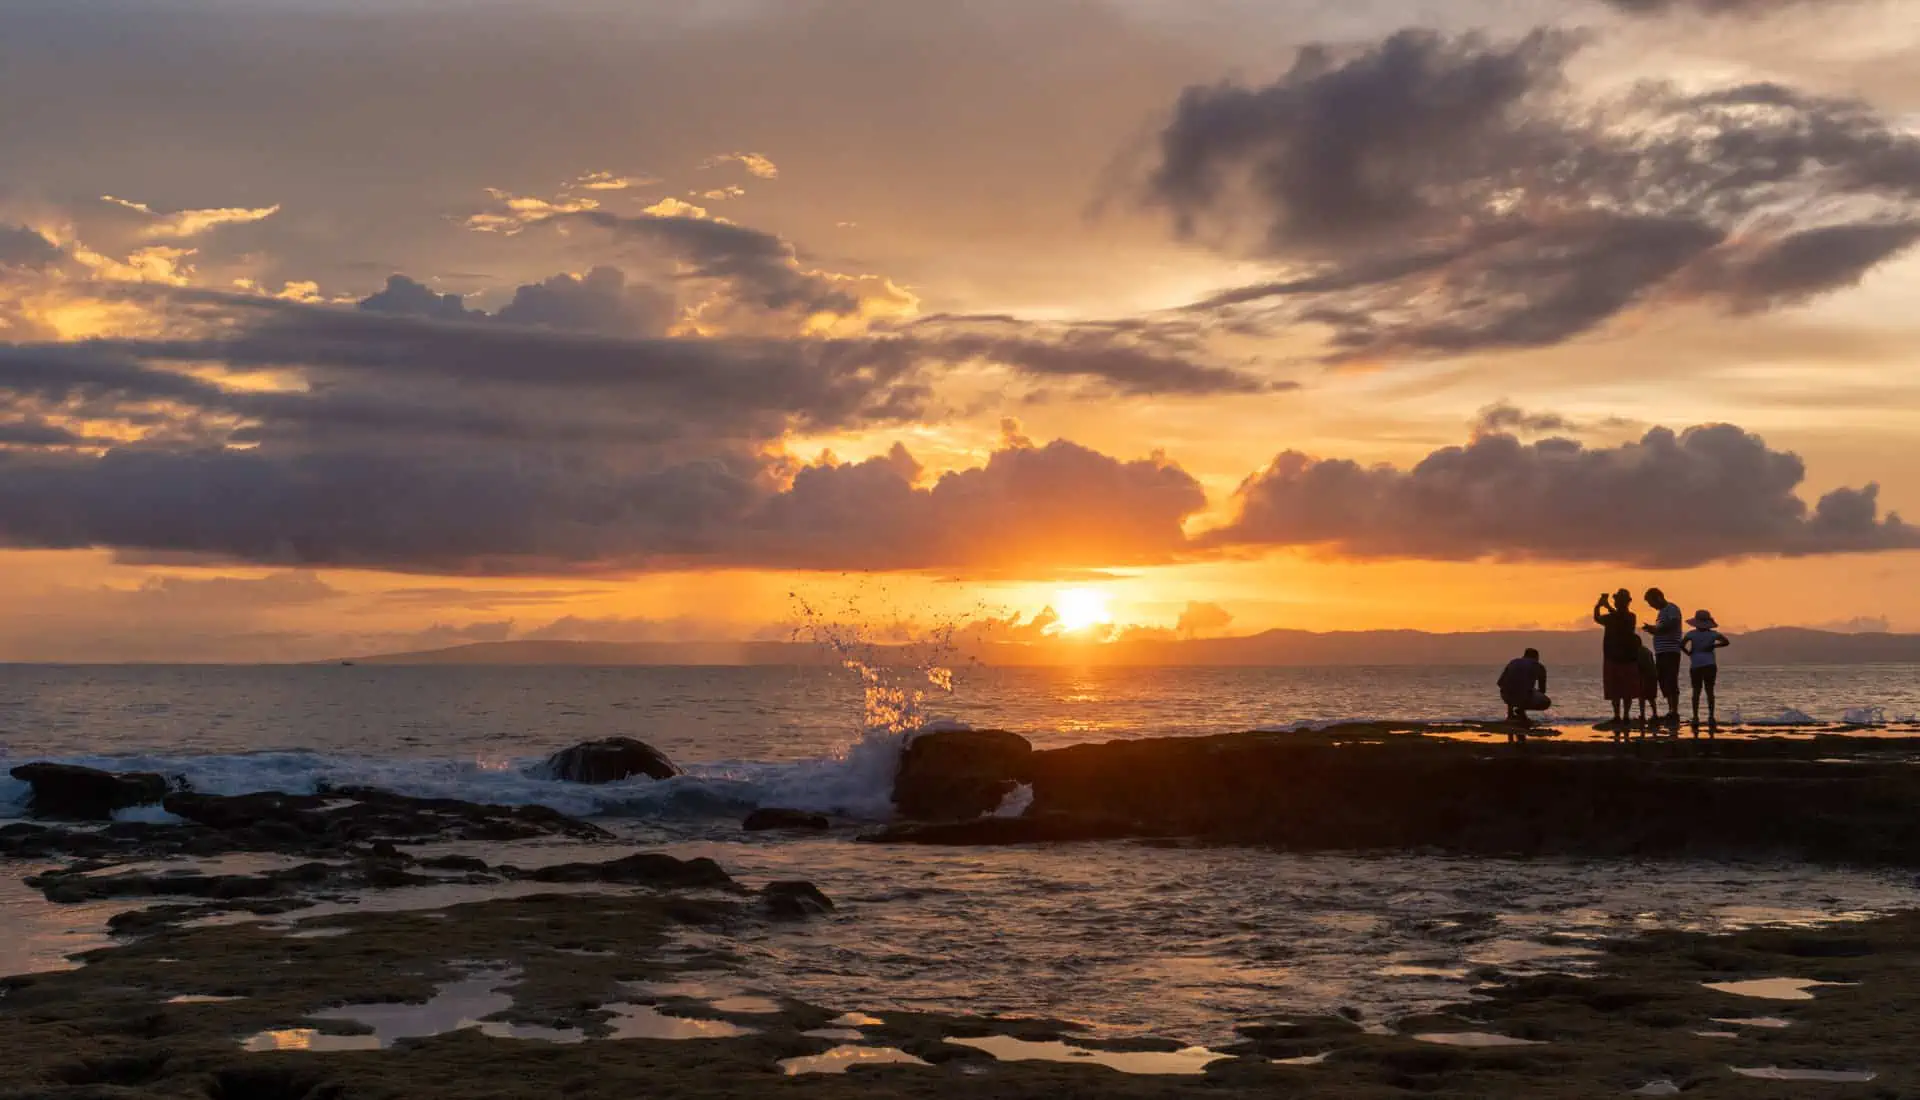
<point>1523,687</point>
<point>1649,680</point>
<point>1666,630</point>
<point>1701,643</point>
<point>1620,653</point>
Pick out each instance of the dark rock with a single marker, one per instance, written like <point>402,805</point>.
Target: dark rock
<point>953,775</point>
<point>608,761</point>
<point>455,863</point>
<point>74,793</point>
<point>1370,787</point>
<point>641,869</point>
<point>794,900</point>
<point>363,816</point>
<point>767,818</point>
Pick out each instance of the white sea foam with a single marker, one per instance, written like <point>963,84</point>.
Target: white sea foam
<point>855,782</point>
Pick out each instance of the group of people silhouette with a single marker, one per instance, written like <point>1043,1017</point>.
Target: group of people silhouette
<point>1632,670</point>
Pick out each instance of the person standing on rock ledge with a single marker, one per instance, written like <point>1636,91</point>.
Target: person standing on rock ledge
<point>1523,687</point>
<point>1666,631</point>
<point>1620,651</point>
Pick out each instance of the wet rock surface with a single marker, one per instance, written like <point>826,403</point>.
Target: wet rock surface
<point>767,819</point>
<point>1834,799</point>
<point>639,869</point>
<point>118,1026</point>
<point>953,775</point>
<point>794,900</point>
<point>608,761</point>
<point>70,792</point>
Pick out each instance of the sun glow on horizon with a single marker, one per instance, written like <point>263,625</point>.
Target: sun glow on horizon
<point>1081,609</point>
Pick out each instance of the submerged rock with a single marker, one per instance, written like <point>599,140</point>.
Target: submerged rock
<point>73,793</point>
<point>767,818</point>
<point>794,900</point>
<point>953,775</point>
<point>639,869</point>
<point>608,761</point>
<point>361,815</point>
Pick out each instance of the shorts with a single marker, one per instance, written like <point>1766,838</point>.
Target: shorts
<point>1704,675</point>
<point>1621,679</point>
<point>1535,700</point>
<point>1669,673</point>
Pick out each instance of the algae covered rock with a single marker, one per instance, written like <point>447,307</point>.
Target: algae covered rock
<point>609,760</point>
<point>953,775</point>
<point>73,793</point>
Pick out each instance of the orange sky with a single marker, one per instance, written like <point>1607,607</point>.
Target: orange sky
<point>709,311</point>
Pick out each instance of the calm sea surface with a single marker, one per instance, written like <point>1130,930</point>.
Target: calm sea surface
<point>1129,938</point>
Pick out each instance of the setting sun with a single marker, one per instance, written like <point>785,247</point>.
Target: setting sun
<point>1081,608</point>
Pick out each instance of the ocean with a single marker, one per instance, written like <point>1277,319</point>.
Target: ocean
<point>1175,941</point>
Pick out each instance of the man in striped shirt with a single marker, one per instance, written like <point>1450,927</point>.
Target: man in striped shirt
<point>1667,631</point>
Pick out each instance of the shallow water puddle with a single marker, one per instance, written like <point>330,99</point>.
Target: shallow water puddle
<point>455,1005</point>
<point>856,1019</point>
<point>843,1058</point>
<point>1474,1039</point>
<point>199,999</point>
<point>648,1022</point>
<point>1657,1088</point>
<point>317,933</point>
<point>1773,1023</point>
<point>1006,1048</point>
<point>1773,989</point>
<point>1305,1059</point>
<point>838,1034</point>
<point>1833,1076</point>
<point>306,1038</point>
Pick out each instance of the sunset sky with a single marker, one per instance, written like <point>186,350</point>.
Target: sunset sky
<point>343,326</point>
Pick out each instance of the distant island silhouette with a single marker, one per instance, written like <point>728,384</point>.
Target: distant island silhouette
<point>1274,648</point>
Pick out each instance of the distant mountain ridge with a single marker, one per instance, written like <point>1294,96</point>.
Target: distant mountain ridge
<point>1771,646</point>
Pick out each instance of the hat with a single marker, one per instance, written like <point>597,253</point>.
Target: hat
<point>1703,619</point>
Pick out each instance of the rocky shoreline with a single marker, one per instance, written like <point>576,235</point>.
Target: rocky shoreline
<point>1828,798</point>
<point>217,988</point>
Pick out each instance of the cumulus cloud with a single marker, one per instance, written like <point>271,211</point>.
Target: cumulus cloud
<point>1028,507</point>
<point>1202,618</point>
<point>1668,500</point>
<point>1435,195</point>
<point>753,164</point>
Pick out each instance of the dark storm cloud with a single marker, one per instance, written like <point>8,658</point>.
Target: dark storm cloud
<point>600,301</point>
<point>1504,417</point>
<point>476,445</point>
<point>764,269</point>
<point>23,247</point>
<point>411,298</point>
<point>33,432</point>
<point>1437,195</point>
<point>489,511</point>
<point>1716,492</point>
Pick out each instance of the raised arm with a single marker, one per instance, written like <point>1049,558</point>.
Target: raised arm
<point>1601,610</point>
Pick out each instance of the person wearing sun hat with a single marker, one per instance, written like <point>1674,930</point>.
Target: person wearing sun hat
<point>1700,645</point>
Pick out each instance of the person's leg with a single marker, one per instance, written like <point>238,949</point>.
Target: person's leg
<point>1695,676</point>
<point>1670,683</point>
<point>1713,677</point>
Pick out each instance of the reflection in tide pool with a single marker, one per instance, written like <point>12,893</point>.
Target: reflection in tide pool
<point>1006,1048</point>
<point>843,1058</point>
<point>1773,989</point>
